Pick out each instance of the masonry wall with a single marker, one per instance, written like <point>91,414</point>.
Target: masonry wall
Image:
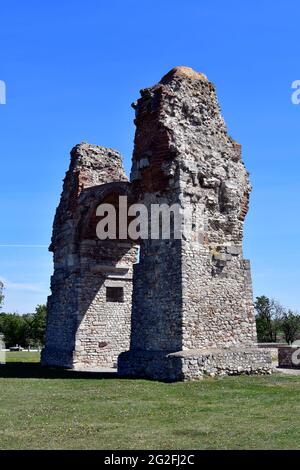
<point>217,306</point>
<point>84,329</point>
<point>214,186</point>
<point>104,326</point>
<point>157,297</point>
<point>197,289</point>
<point>183,155</point>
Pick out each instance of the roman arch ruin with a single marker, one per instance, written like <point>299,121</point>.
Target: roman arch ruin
<point>182,308</point>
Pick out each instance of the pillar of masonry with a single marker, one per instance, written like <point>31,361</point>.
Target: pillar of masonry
<point>192,310</point>
<point>89,309</point>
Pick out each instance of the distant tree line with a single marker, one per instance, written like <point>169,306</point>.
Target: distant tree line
<point>24,330</point>
<point>274,322</point>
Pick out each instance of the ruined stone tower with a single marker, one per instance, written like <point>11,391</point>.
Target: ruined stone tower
<point>192,308</point>
<point>192,301</point>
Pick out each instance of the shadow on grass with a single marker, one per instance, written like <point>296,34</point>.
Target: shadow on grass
<point>27,370</point>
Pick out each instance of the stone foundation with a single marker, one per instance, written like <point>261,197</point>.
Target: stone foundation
<point>194,364</point>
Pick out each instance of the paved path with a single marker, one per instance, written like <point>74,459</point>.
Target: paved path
<point>102,370</point>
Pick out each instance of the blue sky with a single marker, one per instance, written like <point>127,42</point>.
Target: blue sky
<point>73,68</point>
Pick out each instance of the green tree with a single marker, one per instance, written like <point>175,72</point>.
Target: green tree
<point>277,314</point>
<point>24,330</point>
<point>291,326</point>
<point>269,314</point>
<point>38,325</point>
<point>13,327</point>
<point>263,318</point>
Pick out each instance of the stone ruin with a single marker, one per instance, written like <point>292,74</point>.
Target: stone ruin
<point>168,309</point>
<point>89,311</point>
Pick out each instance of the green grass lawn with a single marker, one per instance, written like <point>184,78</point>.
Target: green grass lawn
<point>49,409</point>
<point>22,356</point>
